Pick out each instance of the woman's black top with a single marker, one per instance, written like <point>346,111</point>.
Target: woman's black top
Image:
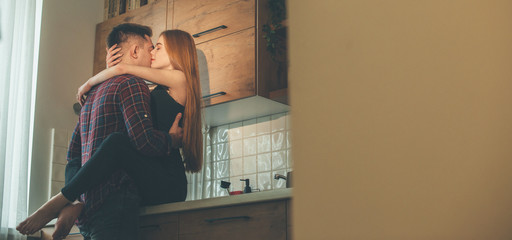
<point>164,109</point>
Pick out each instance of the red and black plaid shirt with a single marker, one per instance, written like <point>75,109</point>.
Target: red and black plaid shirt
<point>120,104</point>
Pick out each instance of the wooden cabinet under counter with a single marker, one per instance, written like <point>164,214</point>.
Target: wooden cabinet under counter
<point>163,226</point>
<point>250,221</point>
<point>254,221</point>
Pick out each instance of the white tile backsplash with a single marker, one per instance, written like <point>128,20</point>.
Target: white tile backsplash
<point>288,123</point>
<point>56,186</point>
<point>263,125</point>
<point>264,162</point>
<point>249,128</point>
<point>236,148</point>
<point>288,139</point>
<point>208,172</point>
<point>222,133</point>
<point>60,138</point>
<point>58,172</point>
<point>256,149</point>
<point>278,160</point>
<point>236,184</point>
<point>278,141</point>
<point>221,151</point>
<point>209,139</point>
<point>264,181</point>
<point>250,146</point>
<point>236,167</point>
<point>208,154</point>
<point>289,158</point>
<point>60,155</point>
<point>208,189</point>
<point>249,165</point>
<point>264,143</point>
<point>235,131</point>
<point>278,122</point>
<point>221,169</point>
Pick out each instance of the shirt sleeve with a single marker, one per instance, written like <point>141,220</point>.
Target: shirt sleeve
<point>134,100</point>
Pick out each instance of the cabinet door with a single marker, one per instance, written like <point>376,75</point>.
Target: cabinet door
<point>159,227</point>
<point>254,221</point>
<point>227,64</point>
<point>153,15</point>
<point>196,16</point>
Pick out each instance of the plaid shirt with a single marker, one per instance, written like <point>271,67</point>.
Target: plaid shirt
<point>120,104</point>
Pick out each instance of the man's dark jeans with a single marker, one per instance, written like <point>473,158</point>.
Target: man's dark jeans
<point>118,218</point>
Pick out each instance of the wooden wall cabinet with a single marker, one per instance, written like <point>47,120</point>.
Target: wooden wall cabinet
<point>153,15</point>
<point>228,66</point>
<point>233,62</point>
<point>197,16</point>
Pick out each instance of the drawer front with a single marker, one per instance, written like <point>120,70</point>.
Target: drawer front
<point>196,16</point>
<point>152,15</point>
<point>255,221</point>
<point>227,65</point>
<point>158,227</point>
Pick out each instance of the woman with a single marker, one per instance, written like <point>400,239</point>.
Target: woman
<point>174,68</point>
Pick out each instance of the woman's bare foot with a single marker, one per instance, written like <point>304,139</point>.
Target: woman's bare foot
<point>43,215</point>
<point>66,220</point>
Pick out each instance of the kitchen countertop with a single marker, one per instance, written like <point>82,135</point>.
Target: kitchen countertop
<point>218,202</point>
<point>206,203</point>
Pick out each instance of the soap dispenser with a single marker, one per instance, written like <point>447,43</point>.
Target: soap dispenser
<point>247,188</point>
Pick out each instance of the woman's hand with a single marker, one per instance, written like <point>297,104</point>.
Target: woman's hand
<point>82,90</point>
<point>176,132</point>
<point>98,79</point>
<point>113,56</point>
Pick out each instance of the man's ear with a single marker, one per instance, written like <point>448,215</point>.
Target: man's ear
<point>134,51</point>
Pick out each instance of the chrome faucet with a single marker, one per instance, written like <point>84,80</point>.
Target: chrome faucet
<point>279,176</point>
<point>288,178</point>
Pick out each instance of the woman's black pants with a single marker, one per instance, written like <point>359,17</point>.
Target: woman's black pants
<point>158,179</point>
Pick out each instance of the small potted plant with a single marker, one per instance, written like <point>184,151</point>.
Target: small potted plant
<point>275,34</point>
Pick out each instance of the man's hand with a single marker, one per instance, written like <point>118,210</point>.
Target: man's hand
<point>66,220</point>
<point>176,132</point>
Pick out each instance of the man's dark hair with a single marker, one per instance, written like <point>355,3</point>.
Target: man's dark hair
<point>122,32</point>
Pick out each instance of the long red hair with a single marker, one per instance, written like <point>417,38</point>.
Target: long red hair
<point>182,53</point>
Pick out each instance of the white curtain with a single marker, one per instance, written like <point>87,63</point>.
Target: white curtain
<point>19,47</point>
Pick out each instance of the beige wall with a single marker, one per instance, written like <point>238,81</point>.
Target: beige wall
<point>406,130</point>
<point>65,61</point>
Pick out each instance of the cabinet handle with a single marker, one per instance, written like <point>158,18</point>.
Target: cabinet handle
<point>210,31</point>
<point>149,227</point>
<point>214,95</point>
<point>226,218</point>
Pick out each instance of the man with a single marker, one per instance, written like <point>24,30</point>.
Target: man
<point>121,104</point>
